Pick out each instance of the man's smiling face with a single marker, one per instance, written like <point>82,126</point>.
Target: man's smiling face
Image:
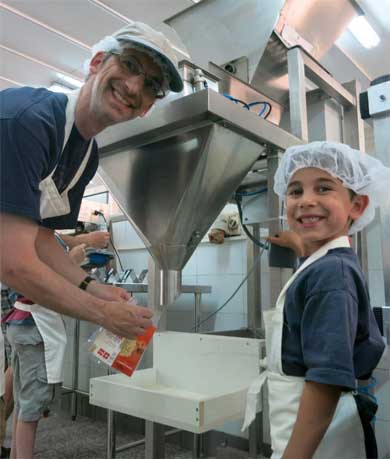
<point>118,95</point>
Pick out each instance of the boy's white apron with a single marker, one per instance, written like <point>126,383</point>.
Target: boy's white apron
<point>344,438</point>
<point>53,204</point>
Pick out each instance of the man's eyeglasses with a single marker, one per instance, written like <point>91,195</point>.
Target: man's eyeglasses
<point>153,86</point>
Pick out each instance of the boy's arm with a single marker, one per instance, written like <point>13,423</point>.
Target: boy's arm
<point>317,406</point>
<point>290,240</point>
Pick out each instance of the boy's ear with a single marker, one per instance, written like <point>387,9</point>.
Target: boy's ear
<point>359,205</point>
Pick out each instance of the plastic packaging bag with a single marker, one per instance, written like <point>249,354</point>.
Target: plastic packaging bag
<point>122,354</point>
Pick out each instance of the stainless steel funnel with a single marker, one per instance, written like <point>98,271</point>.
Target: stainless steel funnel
<point>173,172</point>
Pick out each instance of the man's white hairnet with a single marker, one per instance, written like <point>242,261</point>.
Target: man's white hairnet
<point>358,172</point>
<point>142,37</point>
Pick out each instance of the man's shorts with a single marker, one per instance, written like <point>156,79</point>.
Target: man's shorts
<point>32,393</point>
<point>2,421</point>
<point>7,302</point>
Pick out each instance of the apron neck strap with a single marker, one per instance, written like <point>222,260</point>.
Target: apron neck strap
<point>342,241</point>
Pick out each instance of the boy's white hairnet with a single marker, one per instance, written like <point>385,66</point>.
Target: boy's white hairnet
<point>144,38</point>
<point>358,171</point>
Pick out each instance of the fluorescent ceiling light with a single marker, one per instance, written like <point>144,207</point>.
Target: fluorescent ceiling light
<point>71,81</point>
<point>57,87</point>
<point>363,32</point>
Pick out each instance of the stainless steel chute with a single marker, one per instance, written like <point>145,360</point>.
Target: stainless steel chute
<point>173,172</point>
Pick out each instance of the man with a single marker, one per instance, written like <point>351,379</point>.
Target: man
<point>48,156</point>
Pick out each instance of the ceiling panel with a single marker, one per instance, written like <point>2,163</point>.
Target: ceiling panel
<point>24,71</point>
<point>153,12</point>
<point>4,84</point>
<point>378,11</point>
<point>82,20</point>
<point>87,21</point>
<point>375,61</point>
<point>31,39</point>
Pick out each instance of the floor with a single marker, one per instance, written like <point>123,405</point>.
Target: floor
<point>59,437</point>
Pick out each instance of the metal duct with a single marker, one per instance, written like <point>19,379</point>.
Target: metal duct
<point>223,30</point>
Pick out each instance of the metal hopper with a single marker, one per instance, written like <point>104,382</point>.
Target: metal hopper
<point>173,172</point>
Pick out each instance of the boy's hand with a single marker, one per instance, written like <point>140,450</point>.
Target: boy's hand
<point>290,240</point>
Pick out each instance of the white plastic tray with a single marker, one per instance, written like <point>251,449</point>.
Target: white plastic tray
<point>198,382</point>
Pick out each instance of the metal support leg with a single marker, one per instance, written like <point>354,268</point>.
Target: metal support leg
<point>254,307</point>
<point>353,135</point>
<point>111,441</point>
<point>297,90</point>
<point>154,440</point>
<point>197,448</point>
<point>154,433</point>
<point>256,436</point>
<point>75,369</point>
<point>197,311</point>
<point>382,152</point>
<point>274,210</point>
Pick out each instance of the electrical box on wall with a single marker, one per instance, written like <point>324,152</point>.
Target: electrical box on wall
<point>87,210</point>
<point>254,209</point>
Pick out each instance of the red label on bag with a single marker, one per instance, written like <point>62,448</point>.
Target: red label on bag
<point>131,352</point>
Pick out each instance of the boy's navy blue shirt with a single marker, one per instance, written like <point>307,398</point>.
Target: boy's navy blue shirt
<point>330,334</point>
<point>32,126</point>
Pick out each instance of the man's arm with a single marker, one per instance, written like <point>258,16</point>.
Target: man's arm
<point>317,406</point>
<point>96,239</point>
<point>34,264</point>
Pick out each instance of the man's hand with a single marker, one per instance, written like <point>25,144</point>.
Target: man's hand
<point>290,240</point>
<point>98,239</point>
<point>77,254</point>
<point>125,319</point>
<point>108,292</point>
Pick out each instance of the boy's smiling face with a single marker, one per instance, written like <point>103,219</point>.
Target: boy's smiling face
<point>320,208</point>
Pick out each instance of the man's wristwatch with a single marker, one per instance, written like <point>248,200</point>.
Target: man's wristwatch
<point>84,283</point>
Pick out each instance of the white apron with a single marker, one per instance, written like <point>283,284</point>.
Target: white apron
<point>344,438</point>
<point>53,204</point>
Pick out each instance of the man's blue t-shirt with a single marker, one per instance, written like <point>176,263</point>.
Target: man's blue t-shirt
<point>32,125</point>
<point>330,334</point>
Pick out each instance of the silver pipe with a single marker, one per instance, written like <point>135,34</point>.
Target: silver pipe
<point>110,453</point>
<point>133,444</point>
<point>170,285</point>
<point>69,390</point>
<point>75,369</point>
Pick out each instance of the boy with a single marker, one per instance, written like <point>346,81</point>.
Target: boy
<point>322,335</point>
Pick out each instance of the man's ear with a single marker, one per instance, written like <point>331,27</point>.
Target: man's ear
<point>359,205</point>
<point>146,111</point>
<point>96,62</point>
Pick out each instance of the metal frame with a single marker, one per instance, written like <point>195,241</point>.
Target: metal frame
<point>155,433</point>
<point>379,106</point>
<point>277,140</point>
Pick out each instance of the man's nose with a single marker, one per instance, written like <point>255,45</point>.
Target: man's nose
<point>135,82</point>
